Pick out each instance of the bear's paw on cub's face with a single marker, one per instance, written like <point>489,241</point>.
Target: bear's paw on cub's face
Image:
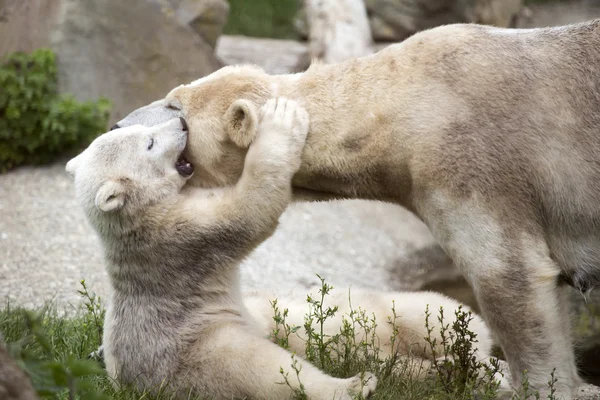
<point>127,169</point>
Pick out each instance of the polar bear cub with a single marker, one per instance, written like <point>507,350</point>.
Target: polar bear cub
<point>176,317</point>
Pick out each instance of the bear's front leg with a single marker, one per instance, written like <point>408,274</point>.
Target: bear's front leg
<point>515,280</point>
<point>529,315</point>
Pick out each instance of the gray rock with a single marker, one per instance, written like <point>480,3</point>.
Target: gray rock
<point>47,246</point>
<point>588,392</point>
<point>382,31</point>
<point>128,51</point>
<point>558,13</point>
<point>406,17</point>
<point>205,17</point>
<point>395,20</point>
<point>338,30</point>
<point>501,13</point>
<point>273,55</point>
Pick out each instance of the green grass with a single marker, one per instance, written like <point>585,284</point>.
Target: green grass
<point>262,18</point>
<point>53,348</point>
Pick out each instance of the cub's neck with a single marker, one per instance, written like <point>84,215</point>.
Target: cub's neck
<point>163,257</point>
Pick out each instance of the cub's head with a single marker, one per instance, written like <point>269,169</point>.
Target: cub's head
<point>126,170</point>
<point>222,111</point>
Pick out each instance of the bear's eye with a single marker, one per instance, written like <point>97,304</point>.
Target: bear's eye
<point>172,107</point>
<point>151,143</point>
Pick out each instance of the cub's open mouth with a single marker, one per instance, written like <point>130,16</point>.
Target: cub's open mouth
<point>184,167</point>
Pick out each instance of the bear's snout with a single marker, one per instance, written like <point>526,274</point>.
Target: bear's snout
<point>184,125</point>
<point>115,126</point>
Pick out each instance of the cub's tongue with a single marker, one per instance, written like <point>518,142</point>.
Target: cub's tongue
<point>184,167</point>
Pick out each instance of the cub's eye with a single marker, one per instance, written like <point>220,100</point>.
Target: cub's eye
<point>172,107</point>
<point>150,144</point>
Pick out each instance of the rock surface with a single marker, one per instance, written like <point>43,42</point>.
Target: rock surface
<point>206,17</point>
<point>273,55</point>
<point>395,20</point>
<point>111,48</point>
<point>47,245</point>
<point>558,13</point>
<point>338,30</point>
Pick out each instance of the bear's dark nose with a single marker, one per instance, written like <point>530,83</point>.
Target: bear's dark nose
<point>115,126</point>
<point>183,124</point>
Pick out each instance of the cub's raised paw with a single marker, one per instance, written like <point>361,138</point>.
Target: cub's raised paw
<point>285,122</point>
<point>300,123</point>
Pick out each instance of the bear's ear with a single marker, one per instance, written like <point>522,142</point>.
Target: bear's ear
<point>241,122</point>
<point>71,166</point>
<point>110,196</point>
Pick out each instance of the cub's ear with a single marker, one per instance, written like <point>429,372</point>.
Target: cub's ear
<point>110,196</point>
<point>241,122</point>
<point>71,166</point>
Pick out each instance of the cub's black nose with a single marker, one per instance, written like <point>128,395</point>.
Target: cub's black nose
<point>115,126</point>
<point>183,124</point>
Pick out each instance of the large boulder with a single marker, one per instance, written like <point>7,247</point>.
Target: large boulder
<point>395,20</point>
<point>558,13</point>
<point>205,17</point>
<point>338,30</point>
<point>131,52</point>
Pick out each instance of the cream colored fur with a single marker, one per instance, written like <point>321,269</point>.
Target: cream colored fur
<point>491,136</point>
<point>175,317</point>
<point>404,312</point>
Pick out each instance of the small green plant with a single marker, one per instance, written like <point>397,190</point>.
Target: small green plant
<point>457,369</point>
<point>525,392</point>
<point>318,350</point>
<point>95,311</point>
<point>36,122</point>
<point>282,331</point>
<point>299,393</point>
<point>551,385</point>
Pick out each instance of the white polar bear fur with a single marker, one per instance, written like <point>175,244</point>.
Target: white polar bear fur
<point>413,350</point>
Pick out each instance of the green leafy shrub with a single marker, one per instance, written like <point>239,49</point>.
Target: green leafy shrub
<point>36,122</point>
<point>262,18</point>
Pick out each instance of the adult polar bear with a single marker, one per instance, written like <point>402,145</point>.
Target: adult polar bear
<point>491,136</point>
